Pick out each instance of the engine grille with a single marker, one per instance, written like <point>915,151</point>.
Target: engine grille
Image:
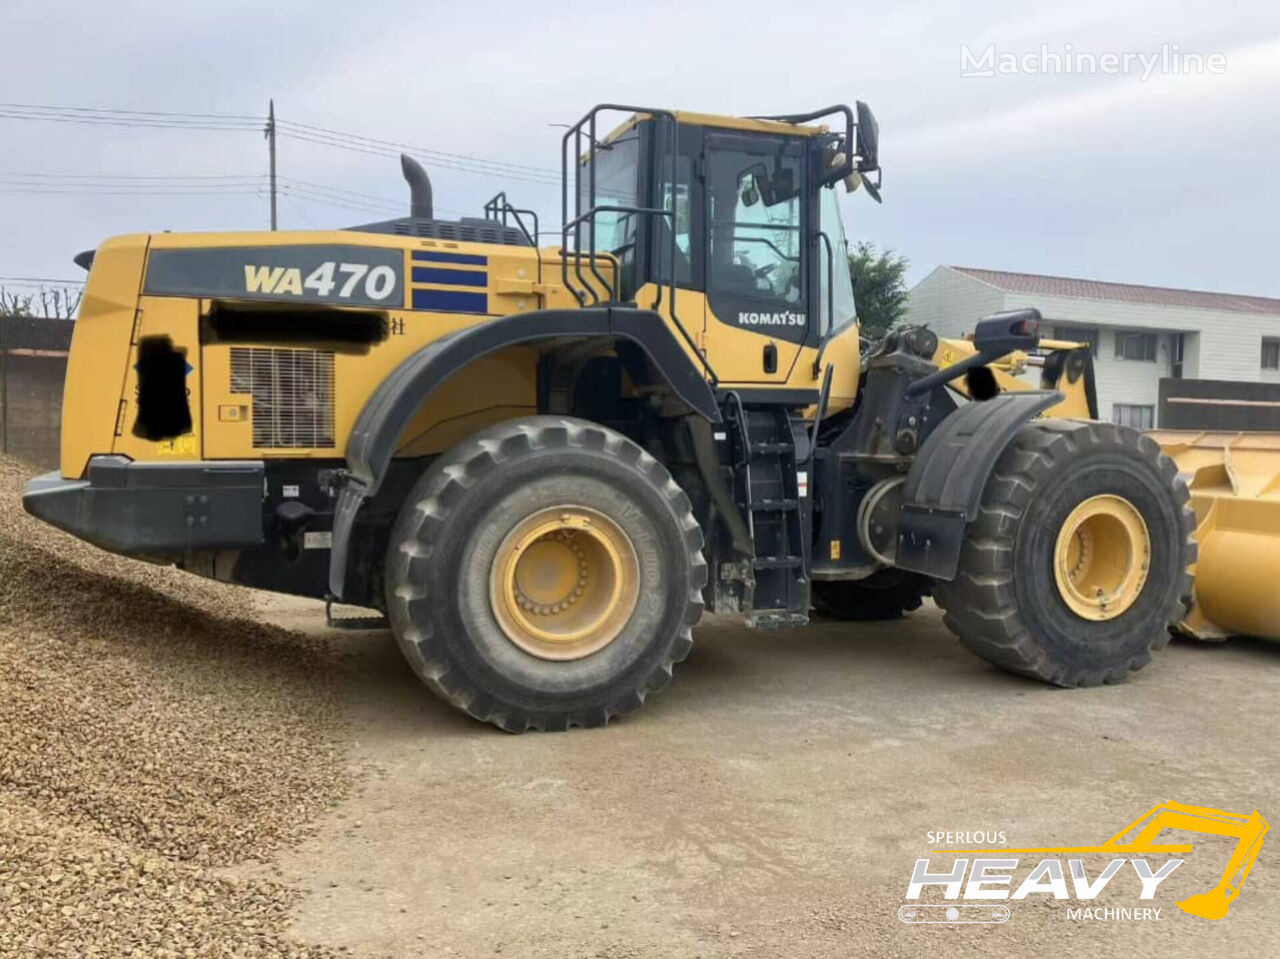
<point>292,394</point>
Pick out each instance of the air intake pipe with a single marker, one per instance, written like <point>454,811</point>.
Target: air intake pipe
<point>419,187</point>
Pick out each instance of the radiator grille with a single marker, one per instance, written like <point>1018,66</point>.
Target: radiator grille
<point>292,394</point>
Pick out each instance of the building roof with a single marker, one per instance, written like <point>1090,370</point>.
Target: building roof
<point>1075,287</point>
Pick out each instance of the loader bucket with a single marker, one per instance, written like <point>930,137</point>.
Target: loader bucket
<point>1235,491</point>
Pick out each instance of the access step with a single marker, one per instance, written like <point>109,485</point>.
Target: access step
<point>357,623</point>
<point>765,619</point>
<point>774,505</point>
<point>777,562</point>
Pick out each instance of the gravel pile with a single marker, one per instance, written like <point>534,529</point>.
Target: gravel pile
<point>150,732</point>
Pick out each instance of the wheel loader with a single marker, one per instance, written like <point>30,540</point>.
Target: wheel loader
<point>542,464</point>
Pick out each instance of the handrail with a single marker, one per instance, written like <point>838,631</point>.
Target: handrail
<point>850,144</point>
<point>500,205</point>
<point>831,300</point>
<point>572,224</point>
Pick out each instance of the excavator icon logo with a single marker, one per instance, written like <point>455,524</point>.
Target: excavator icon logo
<point>1248,830</point>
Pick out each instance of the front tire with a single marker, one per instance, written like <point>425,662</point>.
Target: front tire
<point>1076,566</point>
<point>545,573</point>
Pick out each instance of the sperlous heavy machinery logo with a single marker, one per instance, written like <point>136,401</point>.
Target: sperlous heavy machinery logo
<point>990,877</point>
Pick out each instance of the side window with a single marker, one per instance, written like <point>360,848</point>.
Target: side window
<point>755,258</point>
<point>1128,414</point>
<point>1270,354</point>
<point>1078,334</point>
<point>617,183</point>
<point>674,196</point>
<point>1136,346</point>
<point>839,287</point>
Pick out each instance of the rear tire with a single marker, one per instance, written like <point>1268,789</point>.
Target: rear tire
<point>1008,603</point>
<point>888,594</point>
<point>451,547</point>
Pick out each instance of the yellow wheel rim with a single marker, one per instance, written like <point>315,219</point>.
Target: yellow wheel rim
<point>1102,556</point>
<point>564,582</point>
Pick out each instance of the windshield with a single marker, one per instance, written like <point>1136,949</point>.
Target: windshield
<point>841,290</point>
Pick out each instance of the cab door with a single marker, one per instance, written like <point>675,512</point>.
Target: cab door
<point>757,273</point>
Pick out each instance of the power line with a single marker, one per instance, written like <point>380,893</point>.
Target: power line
<point>303,132</point>
<point>37,281</point>
<point>420,150</point>
<point>125,122</point>
<point>394,151</point>
<point>368,200</point>
<point>135,176</point>
<point>196,184</point>
<point>96,190</point>
<point>154,119</point>
<point>137,113</point>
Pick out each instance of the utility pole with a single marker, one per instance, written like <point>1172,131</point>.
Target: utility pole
<point>271,152</point>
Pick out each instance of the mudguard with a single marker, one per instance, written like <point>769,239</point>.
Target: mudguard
<point>944,487</point>
<point>398,398</point>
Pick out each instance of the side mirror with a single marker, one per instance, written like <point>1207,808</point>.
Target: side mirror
<point>757,184</point>
<point>782,186</point>
<point>1002,333</point>
<point>868,139</point>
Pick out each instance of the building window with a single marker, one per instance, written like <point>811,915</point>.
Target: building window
<point>1136,346</point>
<point>1128,414</point>
<point>1078,334</point>
<point>1271,354</point>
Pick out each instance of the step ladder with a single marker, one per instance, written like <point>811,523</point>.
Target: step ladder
<point>766,489</point>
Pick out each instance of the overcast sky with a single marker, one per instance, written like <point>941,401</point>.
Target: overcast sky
<point>1169,180</point>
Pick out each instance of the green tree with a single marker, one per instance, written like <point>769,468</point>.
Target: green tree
<point>879,288</point>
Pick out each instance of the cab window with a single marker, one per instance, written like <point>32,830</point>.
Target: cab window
<point>839,287</point>
<point>617,176</point>
<point>756,194</point>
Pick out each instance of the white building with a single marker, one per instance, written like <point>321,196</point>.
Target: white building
<point>1139,333</point>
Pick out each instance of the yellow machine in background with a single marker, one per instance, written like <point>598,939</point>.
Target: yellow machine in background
<point>1235,491</point>
<point>1234,478</point>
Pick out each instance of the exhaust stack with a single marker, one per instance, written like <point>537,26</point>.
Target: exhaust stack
<point>419,187</point>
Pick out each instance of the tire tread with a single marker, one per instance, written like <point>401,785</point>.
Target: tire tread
<point>466,465</point>
<point>981,609</point>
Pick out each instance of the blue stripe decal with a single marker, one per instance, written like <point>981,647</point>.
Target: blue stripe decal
<point>429,274</point>
<point>468,258</point>
<point>452,301</point>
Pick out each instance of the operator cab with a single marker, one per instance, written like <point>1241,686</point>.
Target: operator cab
<point>743,210</point>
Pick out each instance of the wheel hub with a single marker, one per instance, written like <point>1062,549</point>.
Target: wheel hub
<point>1101,557</point>
<point>564,582</point>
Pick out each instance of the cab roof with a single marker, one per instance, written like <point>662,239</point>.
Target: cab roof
<point>745,124</point>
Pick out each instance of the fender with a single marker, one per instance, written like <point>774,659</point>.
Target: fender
<point>398,398</point>
<point>944,487</point>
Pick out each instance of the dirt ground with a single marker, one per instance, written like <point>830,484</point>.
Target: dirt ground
<point>191,769</point>
<point>773,801</point>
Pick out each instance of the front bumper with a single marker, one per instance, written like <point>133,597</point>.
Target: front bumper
<point>149,509</point>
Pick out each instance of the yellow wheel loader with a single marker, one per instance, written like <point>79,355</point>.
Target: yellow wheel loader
<point>543,464</point>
